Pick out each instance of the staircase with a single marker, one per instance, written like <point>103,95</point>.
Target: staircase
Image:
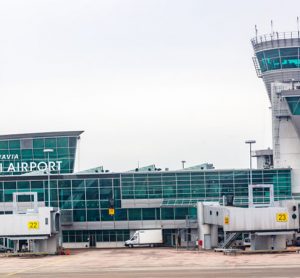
<point>229,240</point>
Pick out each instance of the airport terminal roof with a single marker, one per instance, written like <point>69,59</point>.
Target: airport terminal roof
<point>41,135</point>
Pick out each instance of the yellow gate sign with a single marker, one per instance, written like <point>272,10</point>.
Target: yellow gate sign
<point>282,217</point>
<point>111,211</point>
<point>33,225</point>
<point>226,220</point>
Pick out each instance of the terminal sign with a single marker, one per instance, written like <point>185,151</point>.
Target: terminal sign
<point>33,225</point>
<point>282,217</point>
<point>111,211</point>
<point>226,220</point>
<point>27,166</point>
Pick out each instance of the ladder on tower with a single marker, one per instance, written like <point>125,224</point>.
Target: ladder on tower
<point>257,67</point>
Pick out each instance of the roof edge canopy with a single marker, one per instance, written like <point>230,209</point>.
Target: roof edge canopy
<point>41,134</point>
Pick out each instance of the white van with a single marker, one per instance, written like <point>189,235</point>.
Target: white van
<point>145,238</point>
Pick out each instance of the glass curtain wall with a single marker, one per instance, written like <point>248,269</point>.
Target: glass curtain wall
<point>281,58</point>
<point>32,150</point>
<point>90,196</point>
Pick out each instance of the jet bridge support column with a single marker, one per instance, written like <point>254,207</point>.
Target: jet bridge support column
<point>207,233</point>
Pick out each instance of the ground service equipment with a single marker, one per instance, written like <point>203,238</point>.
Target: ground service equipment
<point>145,238</point>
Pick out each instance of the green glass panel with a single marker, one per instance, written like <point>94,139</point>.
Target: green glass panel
<point>72,142</point>
<point>50,143</point>
<point>116,182</point>
<point>290,62</point>
<point>273,53</point>
<point>10,185</point>
<point>104,204</point>
<point>117,193</point>
<point>181,213</point>
<point>105,216</point>
<point>135,214</point>
<point>79,215</point>
<point>78,183</point>
<point>62,153</point>
<point>91,183</point>
<point>39,154</point>
<point>64,194</point>
<point>38,143</point>
<point>37,184</point>
<point>167,213</point>
<point>193,211</point>
<point>105,193</point>
<point>105,182</point>
<point>294,105</point>
<point>4,145</point>
<point>92,193</point>
<point>121,215</point>
<point>27,154</point>
<point>148,214</point>
<point>23,185</point>
<point>293,51</point>
<point>54,195</point>
<point>273,64</point>
<point>62,142</point>
<point>93,215</point>
<point>92,204</point>
<point>78,194</point>
<point>53,184</point>
<point>65,205</point>
<point>64,184</point>
<point>72,152</point>
<point>14,144</point>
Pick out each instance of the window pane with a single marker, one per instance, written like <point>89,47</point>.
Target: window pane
<point>135,214</point>
<point>148,213</point>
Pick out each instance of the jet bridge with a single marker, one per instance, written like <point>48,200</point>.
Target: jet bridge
<point>35,230</point>
<point>270,227</point>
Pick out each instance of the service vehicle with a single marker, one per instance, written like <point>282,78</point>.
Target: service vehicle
<point>145,238</point>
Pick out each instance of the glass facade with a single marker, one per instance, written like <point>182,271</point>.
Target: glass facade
<point>181,188</point>
<point>21,155</point>
<point>89,196</point>
<point>99,235</point>
<point>280,58</point>
<point>294,105</point>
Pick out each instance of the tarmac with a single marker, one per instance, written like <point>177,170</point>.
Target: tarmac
<point>151,262</point>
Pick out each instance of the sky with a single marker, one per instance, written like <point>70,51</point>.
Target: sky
<point>149,81</point>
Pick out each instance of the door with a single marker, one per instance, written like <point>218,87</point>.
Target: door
<point>207,242</point>
<point>92,241</point>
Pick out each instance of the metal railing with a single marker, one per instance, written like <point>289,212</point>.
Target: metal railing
<point>229,240</point>
<point>275,36</point>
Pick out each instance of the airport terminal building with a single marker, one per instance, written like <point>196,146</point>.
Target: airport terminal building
<point>101,208</point>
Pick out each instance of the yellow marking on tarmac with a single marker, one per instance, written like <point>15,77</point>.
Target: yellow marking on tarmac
<point>32,268</point>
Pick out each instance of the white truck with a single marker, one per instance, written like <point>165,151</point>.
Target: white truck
<point>145,238</point>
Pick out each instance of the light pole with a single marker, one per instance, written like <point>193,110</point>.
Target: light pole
<point>183,162</point>
<point>48,151</point>
<point>250,142</point>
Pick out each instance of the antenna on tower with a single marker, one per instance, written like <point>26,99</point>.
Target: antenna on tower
<point>256,31</point>
<point>298,25</point>
<point>272,31</point>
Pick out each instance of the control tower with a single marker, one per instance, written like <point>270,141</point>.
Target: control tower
<point>277,62</point>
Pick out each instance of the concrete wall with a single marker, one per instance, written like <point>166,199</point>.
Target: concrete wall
<point>286,140</point>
